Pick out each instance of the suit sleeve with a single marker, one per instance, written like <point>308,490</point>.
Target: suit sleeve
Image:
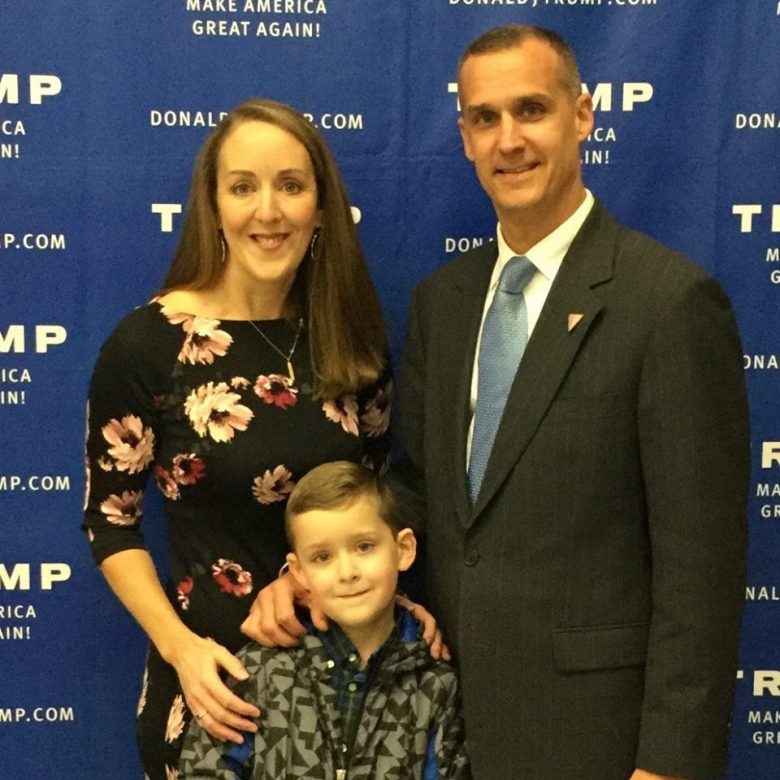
<point>406,475</point>
<point>694,446</point>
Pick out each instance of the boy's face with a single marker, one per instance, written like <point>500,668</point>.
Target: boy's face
<point>349,560</point>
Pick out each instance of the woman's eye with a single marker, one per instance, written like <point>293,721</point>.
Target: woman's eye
<point>292,187</point>
<point>241,188</point>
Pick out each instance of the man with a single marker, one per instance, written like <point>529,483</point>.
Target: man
<point>585,555</point>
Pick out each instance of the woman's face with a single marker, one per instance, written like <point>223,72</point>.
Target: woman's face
<point>267,204</point>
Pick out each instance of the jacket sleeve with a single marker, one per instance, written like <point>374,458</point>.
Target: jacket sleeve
<point>446,757</point>
<point>694,447</point>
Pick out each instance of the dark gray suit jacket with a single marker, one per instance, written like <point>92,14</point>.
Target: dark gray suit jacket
<point>593,594</point>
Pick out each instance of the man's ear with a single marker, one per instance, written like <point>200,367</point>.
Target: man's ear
<point>583,112</point>
<point>296,570</point>
<point>407,548</point>
<point>464,135</point>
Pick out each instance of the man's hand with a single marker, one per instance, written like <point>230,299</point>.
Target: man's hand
<point>641,774</point>
<point>431,632</point>
<point>272,621</point>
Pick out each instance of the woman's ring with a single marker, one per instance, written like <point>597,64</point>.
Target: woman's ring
<point>202,715</point>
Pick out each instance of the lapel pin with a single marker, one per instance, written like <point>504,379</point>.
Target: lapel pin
<point>573,320</point>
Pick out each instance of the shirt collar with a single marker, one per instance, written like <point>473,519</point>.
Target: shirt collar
<point>341,651</point>
<point>546,255</point>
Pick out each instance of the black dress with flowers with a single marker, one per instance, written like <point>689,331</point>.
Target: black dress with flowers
<point>206,407</point>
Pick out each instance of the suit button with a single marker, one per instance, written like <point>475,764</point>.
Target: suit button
<point>472,557</point>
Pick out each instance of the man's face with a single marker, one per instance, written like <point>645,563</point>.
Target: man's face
<point>522,128</point>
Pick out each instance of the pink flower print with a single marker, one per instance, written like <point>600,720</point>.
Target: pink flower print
<point>166,483</point>
<point>175,725</point>
<point>183,590</point>
<point>216,412</point>
<point>375,420</point>
<point>131,443</point>
<point>124,509</point>
<point>276,389</point>
<point>188,469</point>
<point>87,466</point>
<point>343,410</point>
<point>239,383</point>
<point>176,317</point>
<point>273,486</point>
<point>105,464</point>
<point>144,688</point>
<point>231,578</point>
<point>204,341</point>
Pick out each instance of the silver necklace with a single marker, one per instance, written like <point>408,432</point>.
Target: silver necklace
<point>288,357</point>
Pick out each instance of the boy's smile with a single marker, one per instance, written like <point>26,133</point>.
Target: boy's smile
<point>349,560</point>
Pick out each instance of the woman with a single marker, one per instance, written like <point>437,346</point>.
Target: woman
<point>263,356</point>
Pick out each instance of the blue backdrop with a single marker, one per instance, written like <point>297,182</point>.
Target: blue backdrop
<point>102,108</point>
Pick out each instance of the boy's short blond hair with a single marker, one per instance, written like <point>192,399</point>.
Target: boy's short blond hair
<point>338,485</point>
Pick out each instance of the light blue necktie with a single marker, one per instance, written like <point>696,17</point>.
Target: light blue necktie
<point>504,336</point>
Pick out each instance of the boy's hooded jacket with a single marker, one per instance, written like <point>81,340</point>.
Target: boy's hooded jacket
<point>411,725</point>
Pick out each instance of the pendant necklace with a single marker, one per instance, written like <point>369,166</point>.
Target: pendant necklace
<point>288,357</point>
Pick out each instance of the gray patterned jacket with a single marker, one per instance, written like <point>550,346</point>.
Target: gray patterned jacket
<point>411,728</point>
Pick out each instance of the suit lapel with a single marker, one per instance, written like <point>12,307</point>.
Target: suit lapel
<point>552,347</point>
<point>461,314</point>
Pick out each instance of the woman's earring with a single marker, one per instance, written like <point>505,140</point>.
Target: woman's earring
<point>314,236</point>
<point>224,246</point>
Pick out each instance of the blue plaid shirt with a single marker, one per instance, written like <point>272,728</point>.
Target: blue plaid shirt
<point>350,682</point>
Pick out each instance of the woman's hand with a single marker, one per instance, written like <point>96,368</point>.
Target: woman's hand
<point>272,621</point>
<point>431,632</point>
<point>197,661</point>
<point>218,710</point>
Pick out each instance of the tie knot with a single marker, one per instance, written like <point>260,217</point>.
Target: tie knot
<point>516,275</point>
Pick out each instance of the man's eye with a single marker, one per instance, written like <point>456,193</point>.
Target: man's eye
<point>484,120</point>
<point>532,111</point>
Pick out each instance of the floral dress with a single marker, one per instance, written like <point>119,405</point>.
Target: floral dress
<point>206,407</point>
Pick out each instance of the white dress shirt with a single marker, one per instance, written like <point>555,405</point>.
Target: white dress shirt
<point>546,256</point>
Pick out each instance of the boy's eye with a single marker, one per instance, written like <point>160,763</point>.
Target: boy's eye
<point>320,557</point>
<point>365,546</point>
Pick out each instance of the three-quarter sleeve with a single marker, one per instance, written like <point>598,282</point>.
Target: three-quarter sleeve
<point>122,434</point>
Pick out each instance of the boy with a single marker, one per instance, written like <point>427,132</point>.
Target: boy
<point>363,700</point>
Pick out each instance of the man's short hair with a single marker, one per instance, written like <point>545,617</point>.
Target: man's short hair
<point>510,35</point>
<point>338,485</point>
